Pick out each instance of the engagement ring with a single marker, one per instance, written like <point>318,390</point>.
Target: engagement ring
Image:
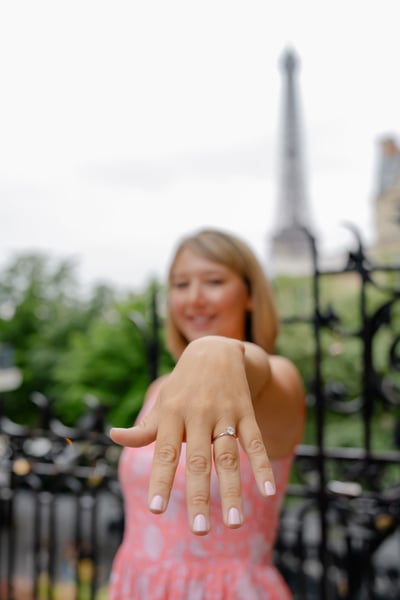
<point>228,431</point>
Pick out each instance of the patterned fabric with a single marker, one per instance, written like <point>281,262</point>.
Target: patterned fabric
<point>160,559</point>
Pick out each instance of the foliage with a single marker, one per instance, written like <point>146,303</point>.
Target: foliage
<point>37,299</point>
<point>72,347</point>
<point>69,347</point>
<point>342,351</point>
<point>110,360</point>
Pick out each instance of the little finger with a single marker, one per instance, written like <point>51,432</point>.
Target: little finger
<point>253,444</point>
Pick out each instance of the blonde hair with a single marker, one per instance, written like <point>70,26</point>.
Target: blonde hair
<point>224,248</point>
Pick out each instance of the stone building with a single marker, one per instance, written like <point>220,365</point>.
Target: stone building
<point>386,246</point>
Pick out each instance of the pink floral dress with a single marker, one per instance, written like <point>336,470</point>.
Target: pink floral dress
<point>160,559</point>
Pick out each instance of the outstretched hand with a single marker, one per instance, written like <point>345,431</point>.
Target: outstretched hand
<point>206,392</point>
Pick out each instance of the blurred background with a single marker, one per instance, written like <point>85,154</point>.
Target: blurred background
<point>125,124</point>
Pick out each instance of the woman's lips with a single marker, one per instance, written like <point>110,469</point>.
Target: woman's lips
<point>200,321</point>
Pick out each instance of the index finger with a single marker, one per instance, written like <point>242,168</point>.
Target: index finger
<point>165,461</point>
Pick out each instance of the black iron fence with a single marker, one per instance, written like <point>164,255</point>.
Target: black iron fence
<point>60,503</point>
<point>60,507</point>
<point>340,532</point>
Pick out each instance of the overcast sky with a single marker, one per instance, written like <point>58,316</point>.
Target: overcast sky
<point>126,124</point>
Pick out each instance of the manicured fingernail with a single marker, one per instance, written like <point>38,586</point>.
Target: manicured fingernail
<point>234,516</point>
<point>269,488</point>
<point>157,504</point>
<point>200,524</point>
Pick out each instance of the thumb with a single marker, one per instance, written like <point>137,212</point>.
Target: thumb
<point>142,434</point>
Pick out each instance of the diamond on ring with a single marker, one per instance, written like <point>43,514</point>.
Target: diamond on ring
<point>229,430</point>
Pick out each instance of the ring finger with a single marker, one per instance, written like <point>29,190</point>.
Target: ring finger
<point>227,466</point>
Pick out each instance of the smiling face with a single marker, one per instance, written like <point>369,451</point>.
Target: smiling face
<point>207,297</point>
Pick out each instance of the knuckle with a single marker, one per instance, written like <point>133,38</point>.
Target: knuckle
<point>162,483</point>
<point>256,446</point>
<point>265,468</point>
<point>200,499</point>
<point>227,460</point>
<point>231,491</point>
<point>197,463</point>
<point>167,454</point>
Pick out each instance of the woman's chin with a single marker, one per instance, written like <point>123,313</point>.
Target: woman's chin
<point>195,335</point>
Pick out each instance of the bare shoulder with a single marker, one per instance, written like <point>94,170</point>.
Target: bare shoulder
<point>281,408</point>
<point>284,373</point>
<point>157,384</point>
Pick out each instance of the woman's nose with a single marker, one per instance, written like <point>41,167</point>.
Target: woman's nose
<point>196,294</point>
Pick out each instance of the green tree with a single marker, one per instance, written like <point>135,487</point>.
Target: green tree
<point>70,347</point>
<point>40,309</point>
<point>110,361</point>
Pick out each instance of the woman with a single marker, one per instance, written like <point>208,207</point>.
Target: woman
<point>227,384</point>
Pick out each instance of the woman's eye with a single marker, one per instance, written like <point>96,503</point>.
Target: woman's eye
<point>180,284</point>
<point>215,281</point>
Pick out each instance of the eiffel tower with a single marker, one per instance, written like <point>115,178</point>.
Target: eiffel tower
<point>290,249</point>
